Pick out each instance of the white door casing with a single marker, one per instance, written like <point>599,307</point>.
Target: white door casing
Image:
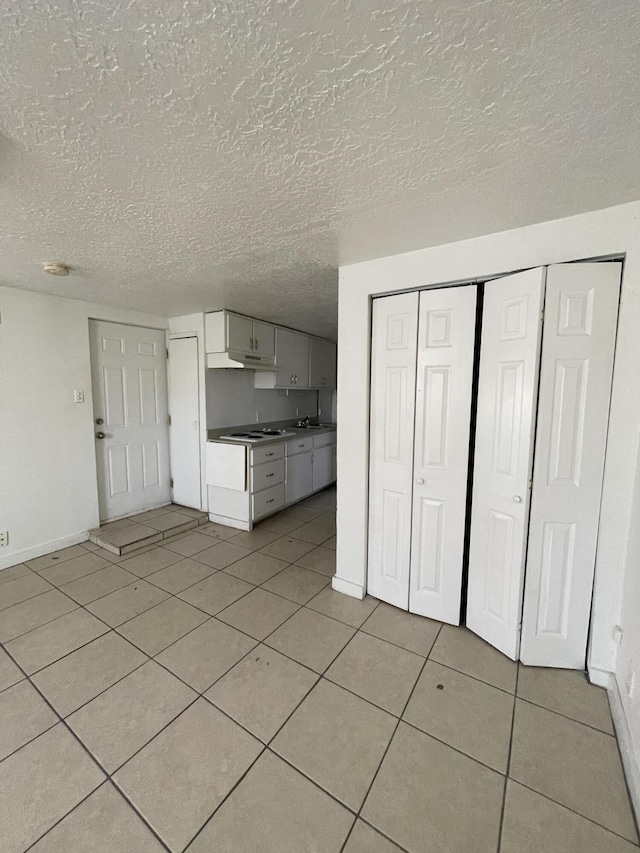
<point>393,377</point>
<point>446,340</point>
<point>573,410</point>
<point>184,430</point>
<point>506,412</point>
<point>128,366</point>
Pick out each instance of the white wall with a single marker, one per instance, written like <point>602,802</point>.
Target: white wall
<point>232,400</point>
<point>48,487</point>
<point>614,231</point>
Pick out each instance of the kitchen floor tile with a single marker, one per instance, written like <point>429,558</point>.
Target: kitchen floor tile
<point>311,638</point>
<point>428,796</point>
<point>300,513</point>
<point>80,676</point>
<point>30,614</point>
<point>151,561</point>
<point>344,608</point>
<point>22,589</point>
<point>20,571</point>
<point>281,526</point>
<point>218,531</point>
<point>204,754</point>
<point>10,674</point>
<point>414,633</point>
<point>189,511</point>
<point>568,693</point>
<point>275,810</point>
<point>322,560</point>
<point>286,548</point>
<point>577,766</point>
<point>164,522</point>
<point>331,543</point>
<point>206,653</point>
<point>157,628</point>
<point>364,839</point>
<point>377,671</point>
<point>103,823</point>
<point>256,568</point>
<point>258,613</point>
<point>533,823</point>
<point>126,603</point>
<point>128,533</point>
<point>468,714</point>
<point>316,532</point>
<point>463,650</point>
<point>49,642</point>
<point>262,690</point>
<point>254,539</point>
<point>221,555</point>
<point>76,567</point>
<point>41,783</point>
<point>120,721</point>
<point>338,740</point>
<point>189,544</point>
<point>24,715</point>
<point>299,585</point>
<point>216,592</point>
<point>94,586</point>
<point>180,575</point>
<point>55,558</point>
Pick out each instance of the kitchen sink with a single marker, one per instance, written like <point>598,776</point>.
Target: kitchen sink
<point>315,426</point>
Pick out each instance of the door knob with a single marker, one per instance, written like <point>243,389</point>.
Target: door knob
<point>517,499</point>
<point>420,481</point>
<point>100,435</point>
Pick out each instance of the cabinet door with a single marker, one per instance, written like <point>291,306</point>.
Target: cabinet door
<point>299,476</point>
<point>446,342</point>
<point>507,395</point>
<point>393,384</point>
<point>322,364</point>
<point>264,339</point>
<point>286,349</point>
<point>301,366</point>
<point>239,333</point>
<point>575,386</point>
<point>323,467</point>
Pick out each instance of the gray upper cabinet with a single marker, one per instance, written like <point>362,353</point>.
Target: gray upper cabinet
<point>322,364</point>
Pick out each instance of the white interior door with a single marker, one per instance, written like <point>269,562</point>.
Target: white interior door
<point>446,338</point>
<point>393,379</point>
<point>575,386</point>
<point>184,431</point>
<point>507,389</point>
<point>128,366</point>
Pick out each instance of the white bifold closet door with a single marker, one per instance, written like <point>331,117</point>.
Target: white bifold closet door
<point>421,386</point>
<point>575,386</point>
<point>506,412</point>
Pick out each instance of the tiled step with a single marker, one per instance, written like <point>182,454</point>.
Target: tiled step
<point>147,528</point>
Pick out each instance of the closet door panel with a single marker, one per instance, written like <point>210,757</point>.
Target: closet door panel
<point>575,386</point>
<point>507,390</point>
<point>393,378</point>
<point>446,339</point>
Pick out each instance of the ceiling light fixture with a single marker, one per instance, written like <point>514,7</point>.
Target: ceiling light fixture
<point>54,268</point>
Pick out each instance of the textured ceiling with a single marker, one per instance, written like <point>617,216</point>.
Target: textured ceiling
<point>187,156</point>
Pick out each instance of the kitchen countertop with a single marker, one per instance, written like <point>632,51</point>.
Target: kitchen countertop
<point>276,439</point>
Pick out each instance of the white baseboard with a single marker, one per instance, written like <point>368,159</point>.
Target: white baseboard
<point>599,677</point>
<point>41,550</point>
<point>355,590</point>
<point>630,760</point>
<point>229,522</point>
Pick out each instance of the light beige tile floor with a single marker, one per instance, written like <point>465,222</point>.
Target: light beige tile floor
<point>218,695</point>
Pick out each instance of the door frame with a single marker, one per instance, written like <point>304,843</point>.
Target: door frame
<point>357,591</point>
<point>97,319</point>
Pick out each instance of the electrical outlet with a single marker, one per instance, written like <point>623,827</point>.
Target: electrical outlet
<point>4,537</point>
<point>78,396</point>
<point>630,683</point>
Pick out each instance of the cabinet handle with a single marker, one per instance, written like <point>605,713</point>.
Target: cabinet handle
<point>250,343</point>
<point>292,378</point>
<point>255,340</point>
<point>271,500</point>
<point>269,475</point>
<point>268,454</point>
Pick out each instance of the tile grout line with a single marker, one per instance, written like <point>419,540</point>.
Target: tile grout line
<point>508,767</point>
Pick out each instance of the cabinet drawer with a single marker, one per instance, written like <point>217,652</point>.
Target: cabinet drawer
<point>324,439</point>
<point>267,474</point>
<point>266,454</point>
<point>267,501</point>
<point>299,445</point>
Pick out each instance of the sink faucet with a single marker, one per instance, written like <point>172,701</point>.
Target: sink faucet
<point>304,421</point>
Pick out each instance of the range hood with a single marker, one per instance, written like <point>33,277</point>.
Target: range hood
<point>240,359</point>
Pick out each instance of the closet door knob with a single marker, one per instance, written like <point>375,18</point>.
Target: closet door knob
<point>517,499</point>
<point>420,481</point>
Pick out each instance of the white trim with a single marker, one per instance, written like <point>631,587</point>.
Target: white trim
<point>599,677</point>
<point>630,761</point>
<point>355,590</point>
<point>229,522</point>
<point>41,550</point>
